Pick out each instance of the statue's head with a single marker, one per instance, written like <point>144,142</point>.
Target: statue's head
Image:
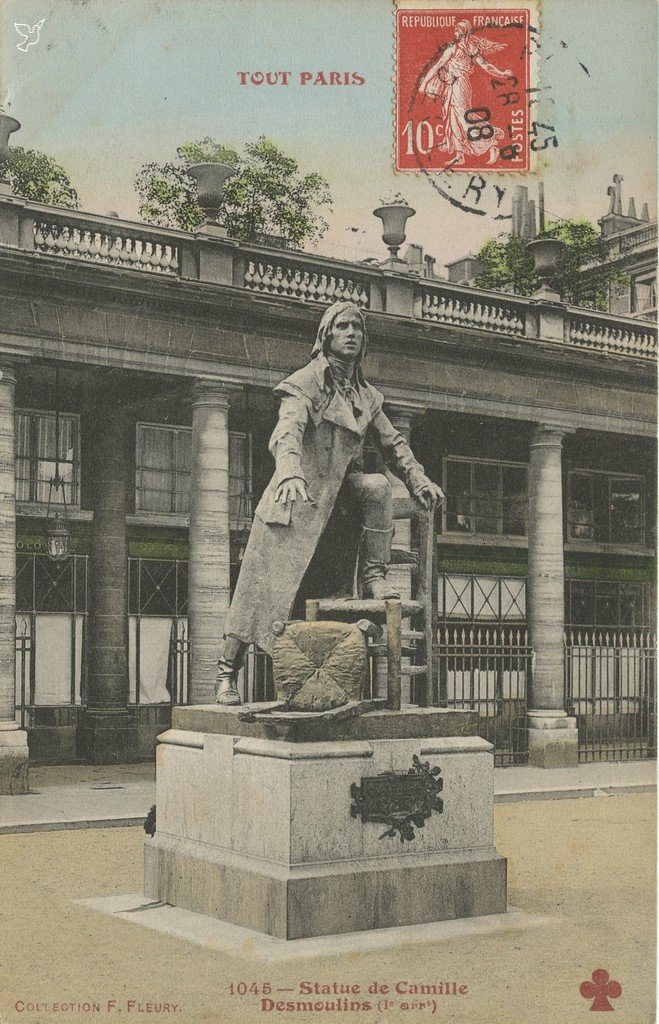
<point>462,29</point>
<point>336,322</point>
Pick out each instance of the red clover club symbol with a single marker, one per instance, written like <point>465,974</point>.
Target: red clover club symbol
<point>600,990</point>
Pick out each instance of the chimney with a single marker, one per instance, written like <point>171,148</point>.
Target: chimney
<point>631,212</point>
<point>532,231</point>
<point>645,215</point>
<point>541,207</point>
<point>518,207</point>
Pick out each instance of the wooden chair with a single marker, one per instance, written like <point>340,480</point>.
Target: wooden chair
<point>415,642</point>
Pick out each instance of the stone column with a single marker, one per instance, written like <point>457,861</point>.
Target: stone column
<point>208,589</point>
<point>109,731</point>
<point>552,735</point>
<point>14,756</point>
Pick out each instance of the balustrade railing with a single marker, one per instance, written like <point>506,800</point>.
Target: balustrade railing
<point>296,280</point>
<point>646,234</point>
<point>472,309</point>
<point>308,277</point>
<point>603,333</point>
<point>58,235</point>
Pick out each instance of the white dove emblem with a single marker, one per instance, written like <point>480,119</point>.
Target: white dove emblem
<point>30,35</point>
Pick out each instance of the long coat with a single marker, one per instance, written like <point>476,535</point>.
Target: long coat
<point>318,438</point>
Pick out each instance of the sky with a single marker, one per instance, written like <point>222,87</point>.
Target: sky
<point>113,84</point>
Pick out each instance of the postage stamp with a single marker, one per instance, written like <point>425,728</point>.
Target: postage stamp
<point>462,89</point>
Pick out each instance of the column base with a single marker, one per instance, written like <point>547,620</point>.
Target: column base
<point>553,739</point>
<point>14,760</point>
<point>108,737</point>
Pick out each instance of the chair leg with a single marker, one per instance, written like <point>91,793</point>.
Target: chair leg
<point>393,619</point>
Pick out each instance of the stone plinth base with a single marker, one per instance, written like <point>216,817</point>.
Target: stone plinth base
<point>108,737</point>
<point>553,739</point>
<point>297,903</point>
<point>14,760</point>
<point>264,833</point>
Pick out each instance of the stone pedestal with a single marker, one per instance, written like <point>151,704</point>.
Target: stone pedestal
<point>109,737</point>
<point>553,740</point>
<point>254,822</point>
<point>14,760</point>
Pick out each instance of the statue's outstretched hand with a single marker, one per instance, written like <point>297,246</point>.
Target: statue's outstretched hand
<point>429,495</point>
<point>291,490</point>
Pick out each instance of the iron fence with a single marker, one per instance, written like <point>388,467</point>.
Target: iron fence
<point>610,686</point>
<point>488,669</point>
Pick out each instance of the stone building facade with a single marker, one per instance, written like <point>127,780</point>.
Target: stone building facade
<point>160,348</point>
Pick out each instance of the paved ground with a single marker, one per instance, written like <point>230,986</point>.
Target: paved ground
<point>588,865</point>
<point>84,796</point>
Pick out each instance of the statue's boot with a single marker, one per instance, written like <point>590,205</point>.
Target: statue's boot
<point>228,667</point>
<point>376,555</point>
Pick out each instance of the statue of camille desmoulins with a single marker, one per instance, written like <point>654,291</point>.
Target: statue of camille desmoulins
<point>326,409</point>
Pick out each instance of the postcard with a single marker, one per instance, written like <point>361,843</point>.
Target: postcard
<point>327,510</point>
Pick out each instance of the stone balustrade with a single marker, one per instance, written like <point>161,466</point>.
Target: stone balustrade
<point>633,239</point>
<point>467,307</point>
<point>109,243</point>
<point>209,257</point>
<point>297,280</point>
<point>602,332</point>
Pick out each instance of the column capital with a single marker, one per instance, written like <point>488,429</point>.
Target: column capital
<point>7,373</point>
<point>216,393</point>
<point>549,435</point>
<point>401,415</point>
<point>405,407</point>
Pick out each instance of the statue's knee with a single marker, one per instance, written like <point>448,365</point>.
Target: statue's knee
<point>377,486</point>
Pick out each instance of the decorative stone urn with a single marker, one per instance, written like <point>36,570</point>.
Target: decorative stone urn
<point>546,253</point>
<point>394,217</point>
<point>7,126</point>
<point>211,179</point>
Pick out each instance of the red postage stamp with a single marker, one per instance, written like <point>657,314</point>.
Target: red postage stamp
<point>462,89</point>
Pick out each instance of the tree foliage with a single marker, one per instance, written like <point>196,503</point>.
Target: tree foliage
<point>267,200</point>
<point>38,177</point>
<point>583,278</point>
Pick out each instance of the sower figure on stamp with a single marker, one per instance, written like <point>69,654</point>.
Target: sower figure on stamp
<point>326,410</point>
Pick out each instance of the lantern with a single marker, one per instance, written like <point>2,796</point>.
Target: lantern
<point>57,533</point>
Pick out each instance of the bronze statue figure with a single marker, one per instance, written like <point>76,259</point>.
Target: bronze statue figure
<point>327,407</point>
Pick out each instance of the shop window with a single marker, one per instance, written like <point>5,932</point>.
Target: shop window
<point>163,472</point>
<point>485,497</point>
<point>609,604</point>
<point>35,450</point>
<point>605,508</point>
